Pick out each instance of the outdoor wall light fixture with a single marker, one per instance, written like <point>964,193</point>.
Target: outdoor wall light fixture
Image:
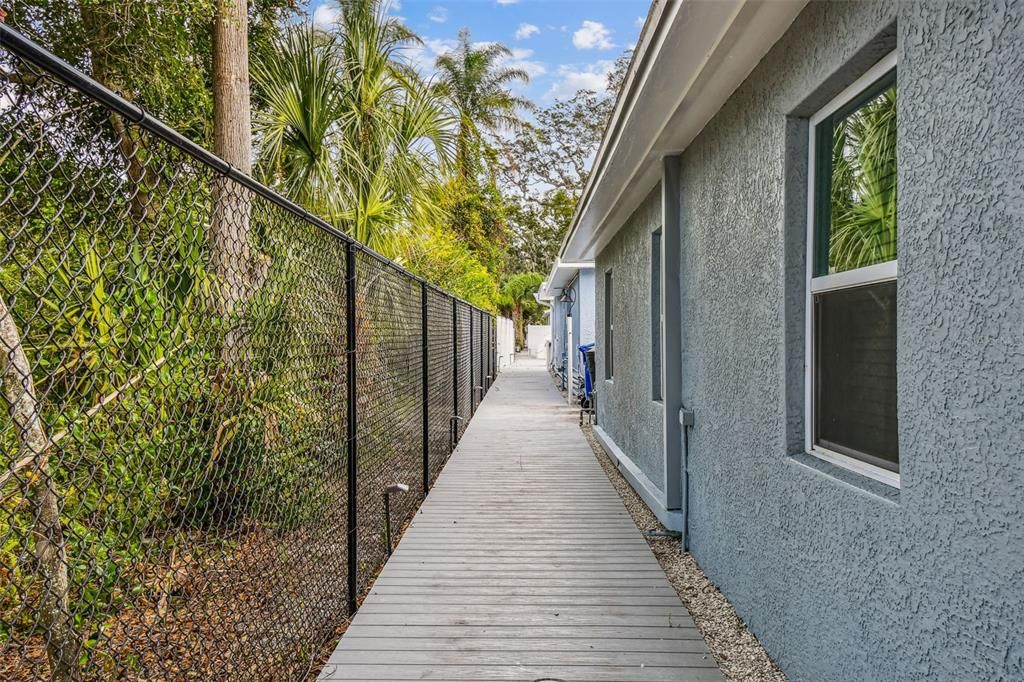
<point>390,490</point>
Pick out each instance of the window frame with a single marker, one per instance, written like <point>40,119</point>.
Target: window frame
<point>850,98</point>
<point>657,315</point>
<point>609,327</point>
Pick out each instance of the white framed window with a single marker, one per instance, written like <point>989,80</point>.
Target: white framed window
<point>657,317</point>
<point>609,329</point>
<point>851,379</point>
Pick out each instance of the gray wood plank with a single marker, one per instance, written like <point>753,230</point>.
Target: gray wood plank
<point>522,564</point>
<point>519,632</point>
<point>527,644</point>
<point>477,673</point>
<point>593,657</point>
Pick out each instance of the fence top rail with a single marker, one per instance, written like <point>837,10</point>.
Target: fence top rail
<point>26,49</point>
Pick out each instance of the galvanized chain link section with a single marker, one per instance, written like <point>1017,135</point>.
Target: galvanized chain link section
<point>174,447</point>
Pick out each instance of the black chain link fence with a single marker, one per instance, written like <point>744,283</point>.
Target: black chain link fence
<point>464,364</point>
<point>192,469</point>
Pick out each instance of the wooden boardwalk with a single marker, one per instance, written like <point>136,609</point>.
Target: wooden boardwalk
<point>523,564</point>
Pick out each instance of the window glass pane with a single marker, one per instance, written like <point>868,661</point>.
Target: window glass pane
<point>855,353</point>
<point>859,186</point>
<point>609,329</point>
<point>656,315</point>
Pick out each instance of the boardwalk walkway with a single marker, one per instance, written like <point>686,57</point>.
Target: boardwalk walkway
<point>522,565</point>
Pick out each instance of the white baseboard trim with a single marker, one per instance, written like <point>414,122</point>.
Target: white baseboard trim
<point>645,487</point>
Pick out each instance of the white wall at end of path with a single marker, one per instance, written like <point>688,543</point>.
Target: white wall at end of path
<point>537,338</point>
<point>505,341</point>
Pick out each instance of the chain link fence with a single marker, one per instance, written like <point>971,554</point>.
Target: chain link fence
<point>207,393</point>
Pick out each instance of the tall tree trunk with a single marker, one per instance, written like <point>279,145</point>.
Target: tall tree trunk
<point>229,228</point>
<point>62,643</point>
<point>519,327</point>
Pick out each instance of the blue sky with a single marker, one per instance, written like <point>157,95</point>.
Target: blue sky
<point>565,45</point>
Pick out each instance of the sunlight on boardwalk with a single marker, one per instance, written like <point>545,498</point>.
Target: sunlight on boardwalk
<point>522,565</point>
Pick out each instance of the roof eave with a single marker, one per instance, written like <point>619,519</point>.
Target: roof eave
<point>561,275</point>
<point>696,53</point>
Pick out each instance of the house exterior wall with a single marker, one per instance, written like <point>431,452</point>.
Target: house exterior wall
<point>625,410</point>
<point>581,311</point>
<point>558,330</point>
<point>574,312</point>
<point>584,332</point>
<point>841,577</point>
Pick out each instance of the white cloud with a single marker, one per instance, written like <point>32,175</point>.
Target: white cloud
<point>439,15</point>
<point>326,15</point>
<point>592,34</point>
<point>507,2</point>
<point>639,23</point>
<point>422,57</point>
<point>521,60</point>
<point>525,31</point>
<point>394,5</point>
<point>586,77</point>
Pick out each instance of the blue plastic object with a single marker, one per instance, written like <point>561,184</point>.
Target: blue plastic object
<point>588,380</point>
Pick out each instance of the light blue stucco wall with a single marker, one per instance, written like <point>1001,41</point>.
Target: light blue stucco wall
<point>581,311</point>
<point>558,322</point>
<point>625,410</point>
<point>584,332</point>
<point>840,577</point>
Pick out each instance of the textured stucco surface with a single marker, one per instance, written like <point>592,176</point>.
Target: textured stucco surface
<point>581,311</point>
<point>558,333</point>
<point>585,316</point>
<point>840,578</point>
<point>624,406</point>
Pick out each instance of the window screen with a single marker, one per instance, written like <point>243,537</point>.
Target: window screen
<point>856,367</point>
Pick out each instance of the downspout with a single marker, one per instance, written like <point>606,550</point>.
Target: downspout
<point>686,421</point>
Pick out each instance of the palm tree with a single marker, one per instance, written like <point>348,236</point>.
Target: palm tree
<point>298,125</point>
<point>863,225</point>
<point>474,81</point>
<point>518,294</point>
<point>351,130</point>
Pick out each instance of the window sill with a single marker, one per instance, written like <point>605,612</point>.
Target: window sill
<point>884,476</point>
<point>847,476</point>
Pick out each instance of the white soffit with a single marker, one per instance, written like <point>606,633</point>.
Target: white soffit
<point>701,51</point>
<point>560,276</point>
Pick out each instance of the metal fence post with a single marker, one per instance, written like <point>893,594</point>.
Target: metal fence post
<point>472,368</point>
<point>426,394</point>
<point>453,423</point>
<point>350,348</point>
<point>485,373</point>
